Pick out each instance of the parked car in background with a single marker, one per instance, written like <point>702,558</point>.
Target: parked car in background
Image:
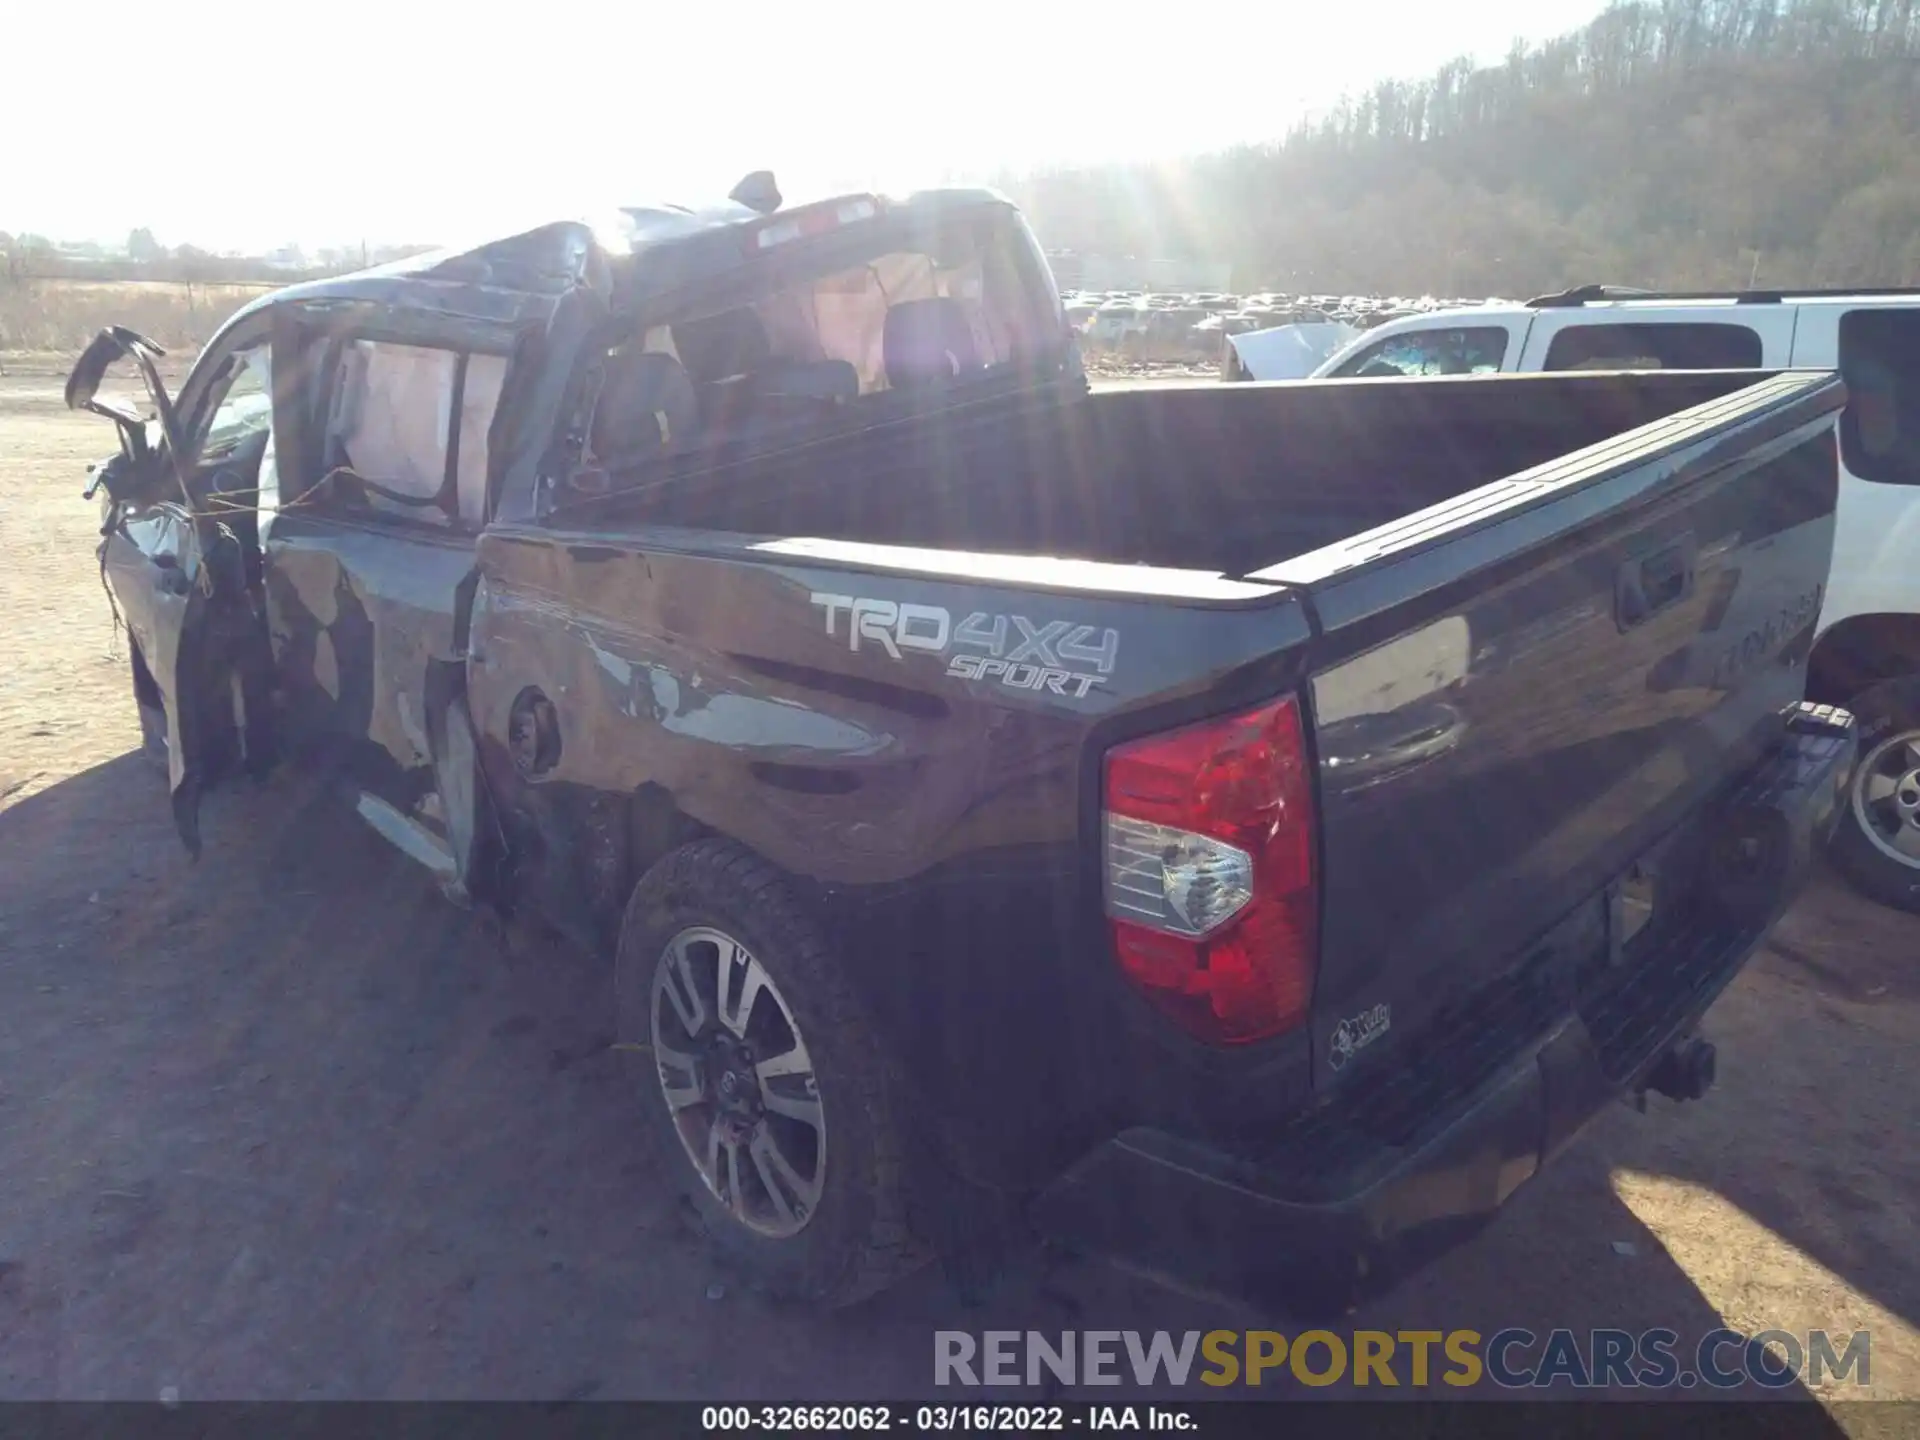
<point>1867,657</point>
<point>1290,351</point>
<point>1137,324</point>
<point>1115,324</point>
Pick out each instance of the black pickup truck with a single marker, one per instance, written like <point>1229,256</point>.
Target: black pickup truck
<point>1247,829</point>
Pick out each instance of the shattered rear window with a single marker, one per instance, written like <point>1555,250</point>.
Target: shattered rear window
<point>843,316</point>
<point>969,303</point>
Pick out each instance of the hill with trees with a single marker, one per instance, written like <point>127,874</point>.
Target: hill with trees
<point>1678,143</point>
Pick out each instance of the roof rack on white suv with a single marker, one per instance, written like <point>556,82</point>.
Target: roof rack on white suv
<point>1600,294</point>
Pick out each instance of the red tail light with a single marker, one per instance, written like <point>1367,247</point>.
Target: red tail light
<point>1209,873</point>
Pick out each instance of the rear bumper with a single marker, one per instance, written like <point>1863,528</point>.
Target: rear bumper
<point>1353,1193</point>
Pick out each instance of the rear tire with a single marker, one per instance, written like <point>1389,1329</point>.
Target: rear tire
<point>1877,843</point>
<point>795,1067</point>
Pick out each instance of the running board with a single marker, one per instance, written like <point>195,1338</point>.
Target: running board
<point>411,838</point>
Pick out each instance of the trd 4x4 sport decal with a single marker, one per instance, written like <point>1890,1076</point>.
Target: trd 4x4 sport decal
<point>1059,656</point>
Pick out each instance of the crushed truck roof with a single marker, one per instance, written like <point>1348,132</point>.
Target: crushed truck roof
<point>637,250</point>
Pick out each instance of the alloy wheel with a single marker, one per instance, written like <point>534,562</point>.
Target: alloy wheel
<point>738,1082</point>
<point>1886,797</point>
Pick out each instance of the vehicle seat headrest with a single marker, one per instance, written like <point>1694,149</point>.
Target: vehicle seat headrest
<point>646,402</point>
<point>927,341</point>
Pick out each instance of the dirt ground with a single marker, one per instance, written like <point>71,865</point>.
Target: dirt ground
<point>285,1124</point>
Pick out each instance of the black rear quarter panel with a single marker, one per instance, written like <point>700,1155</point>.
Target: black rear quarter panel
<point>937,818</point>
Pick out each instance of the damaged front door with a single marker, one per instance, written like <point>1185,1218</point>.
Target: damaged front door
<point>180,555</point>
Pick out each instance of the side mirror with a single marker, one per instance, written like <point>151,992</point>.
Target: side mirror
<point>130,475</point>
<point>111,345</point>
<point>136,467</point>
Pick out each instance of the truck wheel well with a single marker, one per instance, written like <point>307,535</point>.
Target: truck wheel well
<point>1860,652</point>
<point>655,826</point>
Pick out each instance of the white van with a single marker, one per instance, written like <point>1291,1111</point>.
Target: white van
<point>1867,651</point>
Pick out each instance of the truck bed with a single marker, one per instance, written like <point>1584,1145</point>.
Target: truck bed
<point>1216,478</point>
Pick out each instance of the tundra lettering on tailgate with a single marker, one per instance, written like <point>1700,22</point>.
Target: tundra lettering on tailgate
<point>1761,643</point>
<point>1058,656</point>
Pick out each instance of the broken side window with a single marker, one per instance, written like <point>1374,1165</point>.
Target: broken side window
<point>395,428</point>
<point>393,412</point>
<point>479,398</point>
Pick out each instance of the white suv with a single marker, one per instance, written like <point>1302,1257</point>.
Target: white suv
<point>1867,653</point>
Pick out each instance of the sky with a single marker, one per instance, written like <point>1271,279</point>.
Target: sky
<point>247,126</point>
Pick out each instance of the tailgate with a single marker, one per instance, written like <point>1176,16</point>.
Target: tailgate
<point>1518,692</point>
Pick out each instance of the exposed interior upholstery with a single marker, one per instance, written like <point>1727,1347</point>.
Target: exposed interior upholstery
<point>927,341</point>
<point>646,402</point>
<point>722,346</point>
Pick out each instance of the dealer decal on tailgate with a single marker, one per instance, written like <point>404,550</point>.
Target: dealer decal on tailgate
<point>1059,656</point>
<point>1356,1032</point>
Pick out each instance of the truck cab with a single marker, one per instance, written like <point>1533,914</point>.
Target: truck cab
<point>291,540</point>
